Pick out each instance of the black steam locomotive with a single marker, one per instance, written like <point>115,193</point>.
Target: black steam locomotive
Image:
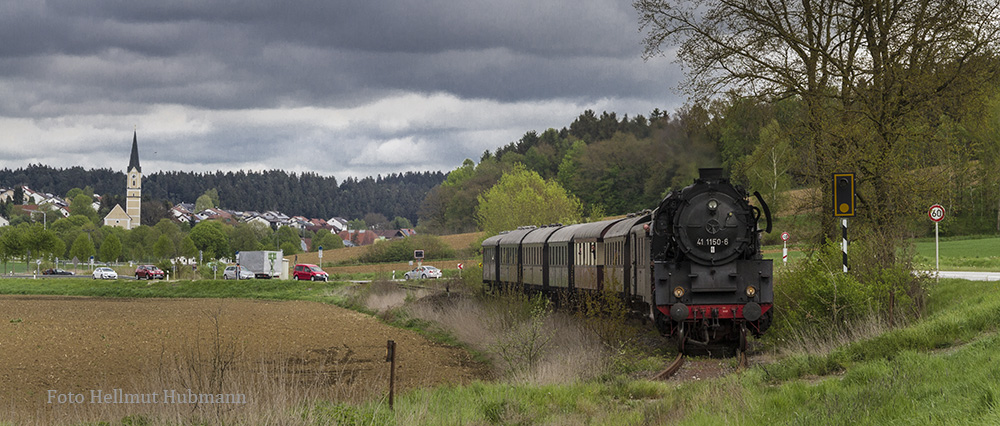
<point>693,265</point>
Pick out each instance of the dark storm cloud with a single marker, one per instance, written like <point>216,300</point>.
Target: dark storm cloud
<point>321,50</point>
<point>225,84</point>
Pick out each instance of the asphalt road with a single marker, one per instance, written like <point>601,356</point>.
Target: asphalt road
<point>967,275</point>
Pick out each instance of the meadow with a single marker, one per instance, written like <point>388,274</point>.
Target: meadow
<point>940,368</point>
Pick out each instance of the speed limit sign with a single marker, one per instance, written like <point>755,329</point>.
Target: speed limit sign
<point>936,213</point>
<point>785,236</point>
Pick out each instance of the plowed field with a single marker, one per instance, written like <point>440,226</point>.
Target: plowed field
<point>79,345</point>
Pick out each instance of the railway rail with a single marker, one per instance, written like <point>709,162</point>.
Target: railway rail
<point>671,369</point>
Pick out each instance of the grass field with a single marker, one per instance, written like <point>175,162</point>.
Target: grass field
<point>940,369</point>
<point>957,254</point>
<point>248,289</point>
<point>967,254</point>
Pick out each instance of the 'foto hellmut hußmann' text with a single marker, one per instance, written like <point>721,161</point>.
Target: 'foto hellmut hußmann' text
<point>167,396</point>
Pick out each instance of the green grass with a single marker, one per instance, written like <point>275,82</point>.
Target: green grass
<point>957,253</point>
<point>942,369</point>
<point>966,254</point>
<point>248,289</point>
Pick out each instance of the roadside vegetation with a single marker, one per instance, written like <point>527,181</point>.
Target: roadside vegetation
<point>937,368</point>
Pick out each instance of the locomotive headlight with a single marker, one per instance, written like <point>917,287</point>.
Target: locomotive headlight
<point>713,205</point>
<point>751,291</point>
<point>679,292</point>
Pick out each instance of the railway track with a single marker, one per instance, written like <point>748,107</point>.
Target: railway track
<point>675,366</point>
<point>671,369</point>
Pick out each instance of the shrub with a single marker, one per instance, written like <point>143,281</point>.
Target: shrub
<point>815,294</point>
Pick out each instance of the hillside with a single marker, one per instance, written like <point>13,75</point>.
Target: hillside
<point>340,256</point>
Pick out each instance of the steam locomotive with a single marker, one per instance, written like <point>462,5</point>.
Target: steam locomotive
<point>693,265</point>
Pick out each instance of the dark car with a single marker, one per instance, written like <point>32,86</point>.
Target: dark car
<point>56,271</point>
<point>149,272</point>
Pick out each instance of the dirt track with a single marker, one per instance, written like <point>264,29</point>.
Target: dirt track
<point>77,344</point>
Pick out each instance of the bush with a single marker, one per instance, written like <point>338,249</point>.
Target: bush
<point>815,294</point>
<point>401,250</point>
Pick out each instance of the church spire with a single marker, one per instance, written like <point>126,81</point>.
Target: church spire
<point>134,161</point>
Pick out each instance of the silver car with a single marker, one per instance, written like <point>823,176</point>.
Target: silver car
<point>423,272</point>
<point>105,273</point>
<point>230,273</point>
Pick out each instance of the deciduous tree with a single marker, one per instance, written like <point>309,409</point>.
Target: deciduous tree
<point>874,78</point>
<point>111,248</point>
<point>521,198</point>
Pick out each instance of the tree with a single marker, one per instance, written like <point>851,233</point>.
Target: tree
<point>111,248</point>
<point>163,248</point>
<point>208,237</point>
<point>153,212</point>
<point>288,240</point>
<point>188,248</point>
<point>327,240</point>
<point>401,223</point>
<point>767,167</point>
<point>11,243</point>
<point>522,197</point>
<point>244,238</point>
<point>204,202</point>
<point>376,221</point>
<point>38,240</point>
<point>874,78</point>
<point>82,248</point>
<point>82,205</point>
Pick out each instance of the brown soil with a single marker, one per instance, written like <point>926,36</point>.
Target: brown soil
<point>79,344</point>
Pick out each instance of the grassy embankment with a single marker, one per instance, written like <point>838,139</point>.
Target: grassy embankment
<point>941,369</point>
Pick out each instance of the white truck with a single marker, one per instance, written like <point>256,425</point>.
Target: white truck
<point>264,264</point>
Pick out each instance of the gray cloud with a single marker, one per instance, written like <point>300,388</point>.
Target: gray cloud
<point>346,88</point>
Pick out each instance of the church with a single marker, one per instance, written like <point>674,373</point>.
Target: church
<point>128,217</point>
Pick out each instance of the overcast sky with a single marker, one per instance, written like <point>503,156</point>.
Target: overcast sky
<point>336,87</point>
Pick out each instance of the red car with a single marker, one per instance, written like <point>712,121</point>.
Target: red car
<point>148,272</point>
<point>308,271</point>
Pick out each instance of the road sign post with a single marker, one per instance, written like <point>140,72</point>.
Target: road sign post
<point>784,246</point>
<point>936,213</point>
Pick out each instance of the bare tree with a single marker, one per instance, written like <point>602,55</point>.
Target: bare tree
<point>875,77</point>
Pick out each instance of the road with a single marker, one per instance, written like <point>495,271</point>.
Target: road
<point>966,275</point>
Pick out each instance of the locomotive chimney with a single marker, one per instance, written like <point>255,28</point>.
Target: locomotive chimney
<point>711,174</point>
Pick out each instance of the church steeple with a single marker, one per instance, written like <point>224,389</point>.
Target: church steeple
<point>133,162</point>
<point>133,186</point>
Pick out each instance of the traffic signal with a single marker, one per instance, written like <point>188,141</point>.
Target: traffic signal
<point>843,194</point>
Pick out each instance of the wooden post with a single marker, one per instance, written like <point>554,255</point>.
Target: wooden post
<point>390,357</point>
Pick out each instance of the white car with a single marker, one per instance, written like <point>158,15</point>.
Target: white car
<point>423,272</point>
<point>105,273</point>
<point>230,273</point>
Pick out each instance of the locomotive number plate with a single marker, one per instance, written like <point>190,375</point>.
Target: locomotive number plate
<point>713,241</point>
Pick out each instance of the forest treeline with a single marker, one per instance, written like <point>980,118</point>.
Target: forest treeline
<point>306,194</point>
<point>616,165</point>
